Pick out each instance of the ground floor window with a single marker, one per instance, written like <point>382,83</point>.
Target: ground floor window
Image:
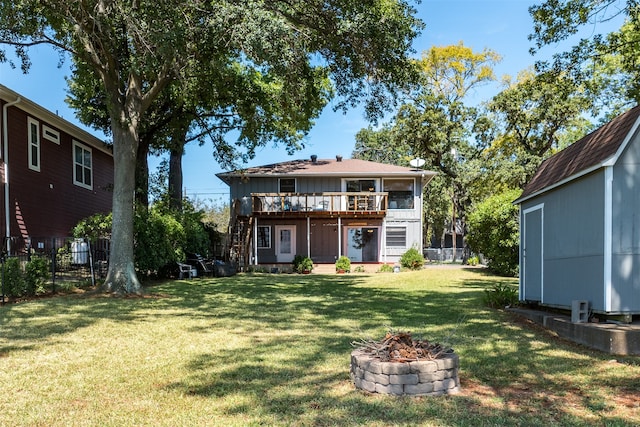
<point>264,237</point>
<point>396,237</point>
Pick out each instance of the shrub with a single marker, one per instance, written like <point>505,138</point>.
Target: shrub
<point>343,264</point>
<point>359,269</point>
<point>412,259</point>
<point>36,273</point>
<point>493,232</point>
<point>500,296</point>
<point>386,268</point>
<point>14,283</point>
<point>473,260</point>
<point>302,264</point>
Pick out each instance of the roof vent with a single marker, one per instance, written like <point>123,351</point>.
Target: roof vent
<point>338,158</point>
<point>314,158</point>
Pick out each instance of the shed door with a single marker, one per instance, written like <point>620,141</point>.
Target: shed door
<point>532,255</point>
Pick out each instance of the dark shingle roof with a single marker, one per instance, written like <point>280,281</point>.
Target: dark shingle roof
<point>589,152</point>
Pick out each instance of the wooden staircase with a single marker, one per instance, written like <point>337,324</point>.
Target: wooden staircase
<point>238,248</point>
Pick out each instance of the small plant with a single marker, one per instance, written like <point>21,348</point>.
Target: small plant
<point>36,273</point>
<point>343,264</point>
<point>412,259</point>
<point>386,268</point>
<point>14,283</point>
<point>359,269</point>
<point>302,264</point>
<point>473,261</point>
<point>500,296</point>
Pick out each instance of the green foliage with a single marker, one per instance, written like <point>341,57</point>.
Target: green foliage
<point>36,273</point>
<point>95,227</point>
<point>343,264</point>
<point>386,268</point>
<point>359,269</point>
<point>302,263</point>
<point>473,261</point>
<point>494,232</point>
<point>412,259</point>
<point>500,295</point>
<point>159,241</point>
<point>14,283</point>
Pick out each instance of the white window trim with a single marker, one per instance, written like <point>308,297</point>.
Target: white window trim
<point>268,237</point>
<point>50,134</point>
<point>386,236</point>
<point>80,183</point>
<point>30,144</point>
<point>376,180</point>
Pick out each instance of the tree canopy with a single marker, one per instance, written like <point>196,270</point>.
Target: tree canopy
<point>137,49</point>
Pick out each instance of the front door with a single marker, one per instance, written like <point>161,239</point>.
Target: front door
<point>285,242</point>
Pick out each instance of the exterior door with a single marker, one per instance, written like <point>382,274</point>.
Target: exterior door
<point>362,244</point>
<point>285,242</point>
<point>531,288</point>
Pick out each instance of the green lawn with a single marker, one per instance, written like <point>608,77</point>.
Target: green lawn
<point>262,349</point>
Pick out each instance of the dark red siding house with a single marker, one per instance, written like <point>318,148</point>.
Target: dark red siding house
<point>52,173</point>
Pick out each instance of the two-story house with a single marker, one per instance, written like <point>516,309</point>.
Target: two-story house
<point>370,212</point>
<point>52,173</point>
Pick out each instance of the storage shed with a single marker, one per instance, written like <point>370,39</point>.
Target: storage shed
<point>580,223</point>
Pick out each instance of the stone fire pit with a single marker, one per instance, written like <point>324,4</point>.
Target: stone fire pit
<point>399,365</point>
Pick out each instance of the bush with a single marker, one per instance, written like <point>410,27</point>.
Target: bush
<point>500,296</point>
<point>14,283</point>
<point>386,268</point>
<point>302,264</point>
<point>412,259</point>
<point>493,232</point>
<point>473,261</point>
<point>343,264</point>
<point>36,273</point>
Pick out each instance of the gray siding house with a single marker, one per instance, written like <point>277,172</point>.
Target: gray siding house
<point>323,209</point>
<point>580,223</point>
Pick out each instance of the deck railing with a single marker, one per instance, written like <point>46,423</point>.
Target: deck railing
<point>319,202</point>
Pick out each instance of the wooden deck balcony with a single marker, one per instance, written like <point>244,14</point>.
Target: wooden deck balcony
<point>304,204</point>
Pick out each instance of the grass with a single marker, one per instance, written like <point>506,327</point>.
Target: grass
<point>262,349</point>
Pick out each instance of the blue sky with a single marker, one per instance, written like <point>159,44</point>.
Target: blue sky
<point>501,25</point>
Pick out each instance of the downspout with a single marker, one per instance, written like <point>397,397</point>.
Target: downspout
<point>5,158</point>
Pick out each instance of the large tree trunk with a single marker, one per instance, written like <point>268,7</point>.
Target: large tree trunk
<point>121,276</point>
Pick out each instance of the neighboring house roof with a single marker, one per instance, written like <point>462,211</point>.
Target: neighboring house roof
<point>53,119</point>
<point>326,167</point>
<point>584,156</point>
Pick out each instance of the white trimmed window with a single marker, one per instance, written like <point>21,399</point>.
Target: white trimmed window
<point>34,144</point>
<point>50,134</point>
<point>82,166</point>
<point>264,237</point>
<point>396,237</point>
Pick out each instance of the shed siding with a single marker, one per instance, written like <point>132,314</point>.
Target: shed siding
<point>573,242</point>
<point>625,250</point>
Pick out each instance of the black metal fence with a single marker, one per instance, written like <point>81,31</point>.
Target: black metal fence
<point>71,262</point>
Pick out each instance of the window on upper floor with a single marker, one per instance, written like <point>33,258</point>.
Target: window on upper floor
<point>82,166</point>
<point>287,185</point>
<point>400,193</point>
<point>50,134</point>
<point>33,136</point>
